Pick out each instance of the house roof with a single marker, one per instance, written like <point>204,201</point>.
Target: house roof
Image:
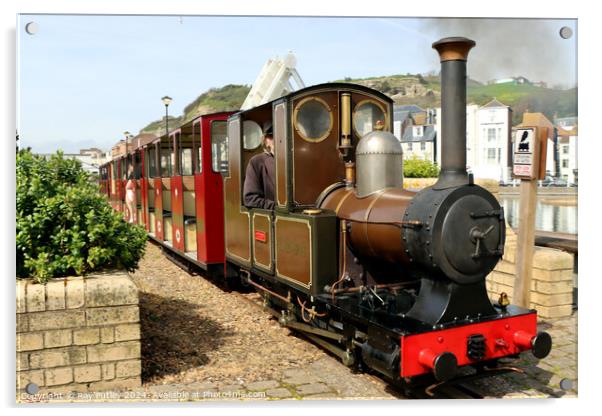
<point>535,120</point>
<point>401,115</point>
<point>563,132</point>
<point>429,134</point>
<point>494,104</point>
<point>411,108</point>
<point>143,138</point>
<point>571,121</point>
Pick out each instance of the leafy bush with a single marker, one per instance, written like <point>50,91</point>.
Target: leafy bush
<point>419,168</point>
<point>65,225</point>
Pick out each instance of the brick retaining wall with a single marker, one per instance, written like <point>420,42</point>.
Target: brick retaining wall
<point>551,284</point>
<point>78,334</point>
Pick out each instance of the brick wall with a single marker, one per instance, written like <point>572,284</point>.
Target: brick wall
<point>78,334</point>
<point>551,284</point>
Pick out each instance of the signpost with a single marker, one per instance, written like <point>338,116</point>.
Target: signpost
<point>527,168</point>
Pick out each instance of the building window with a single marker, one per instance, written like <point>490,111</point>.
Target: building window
<point>565,150</point>
<point>565,163</point>
<point>491,154</point>
<point>409,147</point>
<point>418,131</point>
<point>491,136</point>
<point>423,146</point>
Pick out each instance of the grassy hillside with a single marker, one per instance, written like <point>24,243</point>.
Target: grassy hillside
<point>521,98</point>
<point>425,91</point>
<point>157,127</point>
<point>422,90</point>
<point>229,97</point>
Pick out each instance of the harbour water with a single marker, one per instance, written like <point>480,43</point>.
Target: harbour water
<point>552,214</point>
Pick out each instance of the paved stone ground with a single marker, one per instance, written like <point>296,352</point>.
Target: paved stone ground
<point>202,343</point>
<point>327,378</point>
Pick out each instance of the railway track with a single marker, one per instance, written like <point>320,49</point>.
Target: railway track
<point>451,391</point>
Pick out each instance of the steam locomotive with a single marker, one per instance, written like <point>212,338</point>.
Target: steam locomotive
<point>382,277</point>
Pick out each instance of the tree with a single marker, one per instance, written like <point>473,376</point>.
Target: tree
<point>419,168</point>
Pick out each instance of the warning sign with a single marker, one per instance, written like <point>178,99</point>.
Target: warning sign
<point>522,170</point>
<point>524,148</point>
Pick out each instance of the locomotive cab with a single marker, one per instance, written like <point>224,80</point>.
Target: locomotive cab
<point>315,132</point>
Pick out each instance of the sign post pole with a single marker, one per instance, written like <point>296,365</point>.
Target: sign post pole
<point>526,167</point>
<point>525,242</point>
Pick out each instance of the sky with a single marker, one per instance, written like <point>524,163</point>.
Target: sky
<point>85,79</point>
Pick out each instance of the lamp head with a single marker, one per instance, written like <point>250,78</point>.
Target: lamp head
<point>166,100</point>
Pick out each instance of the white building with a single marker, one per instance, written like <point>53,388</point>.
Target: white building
<point>90,159</point>
<point>493,145</point>
<point>414,127</point>
<point>420,142</point>
<point>566,129</point>
<point>488,141</point>
<point>567,154</point>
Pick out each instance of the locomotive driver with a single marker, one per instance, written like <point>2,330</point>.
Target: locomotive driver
<point>258,191</point>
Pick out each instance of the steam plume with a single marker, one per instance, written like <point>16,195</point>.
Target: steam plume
<point>511,47</point>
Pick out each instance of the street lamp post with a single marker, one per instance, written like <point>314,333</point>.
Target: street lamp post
<point>166,100</point>
<point>127,138</point>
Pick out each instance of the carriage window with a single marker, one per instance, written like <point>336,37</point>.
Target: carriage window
<point>219,145</point>
<point>252,135</point>
<point>198,147</point>
<point>137,166</point>
<point>186,161</point>
<point>151,162</point>
<point>124,169</point>
<point>199,158</point>
<point>114,175</point>
<point>166,162</point>
<point>367,113</point>
<point>313,119</point>
<point>130,167</point>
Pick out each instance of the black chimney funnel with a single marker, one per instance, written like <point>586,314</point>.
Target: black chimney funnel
<point>453,53</point>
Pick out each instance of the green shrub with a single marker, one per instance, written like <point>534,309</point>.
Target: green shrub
<point>65,226</point>
<point>419,168</point>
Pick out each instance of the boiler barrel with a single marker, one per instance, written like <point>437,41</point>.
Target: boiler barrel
<point>375,223</point>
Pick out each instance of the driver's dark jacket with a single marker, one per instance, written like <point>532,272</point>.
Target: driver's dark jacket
<point>258,191</point>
